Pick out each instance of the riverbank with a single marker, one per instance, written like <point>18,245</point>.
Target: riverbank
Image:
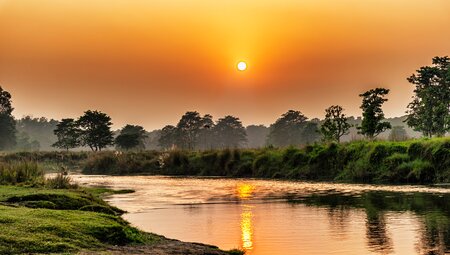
<point>423,161</point>
<point>37,220</point>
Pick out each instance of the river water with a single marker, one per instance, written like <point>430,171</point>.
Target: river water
<point>266,217</point>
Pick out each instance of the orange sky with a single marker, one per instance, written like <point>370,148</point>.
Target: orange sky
<point>147,62</point>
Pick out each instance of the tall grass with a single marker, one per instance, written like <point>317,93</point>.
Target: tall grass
<point>413,161</point>
<point>21,172</point>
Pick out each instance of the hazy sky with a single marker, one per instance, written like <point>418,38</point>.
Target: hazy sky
<point>147,62</point>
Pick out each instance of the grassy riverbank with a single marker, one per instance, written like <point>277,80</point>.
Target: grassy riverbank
<point>414,161</point>
<point>55,216</point>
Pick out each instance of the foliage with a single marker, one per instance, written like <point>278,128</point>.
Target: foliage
<point>413,161</point>
<point>168,137</point>
<point>256,135</point>
<point>429,112</point>
<point>68,133</point>
<point>335,124</point>
<point>7,122</point>
<point>372,124</point>
<point>229,132</point>
<point>131,137</point>
<point>287,129</point>
<point>21,172</point>
<point>96,130</point>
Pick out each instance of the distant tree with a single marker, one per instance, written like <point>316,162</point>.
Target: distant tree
<point>96,130</point>
<point>40,130</point>
<point>25,143</point>
<point>7,122</point>
<point>372,123</point>
<point>168,137</point>
<point>398,133</point>
<point>287,129</point>
<point>206,137</point>
<point>335,124</point>
<point>189,128</point>
<point>256,135</point>
<point>310,132</point>
<point>68,133</point>
<point>429,112</point>
<point>131,137</point>
<point>229,132</point>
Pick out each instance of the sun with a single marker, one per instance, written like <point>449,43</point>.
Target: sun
<point>242,66</point>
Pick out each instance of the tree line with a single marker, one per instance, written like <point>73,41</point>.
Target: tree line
<point>428,113</point>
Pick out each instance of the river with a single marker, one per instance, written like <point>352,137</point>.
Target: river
<point>266,217</point>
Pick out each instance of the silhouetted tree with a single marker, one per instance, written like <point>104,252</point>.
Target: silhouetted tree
<point>429,112</point>
<point>68,133</point>
<point>131,137</point>
<point>229,132</point>
<point>287,129</point>
<point>168,137</point>
<point>96,130</point>
<point>206,135</point>
<point>372,124</point>
<point>189,129</point>
<point>398,133</point>
<point>7,122</point>
<point>335,124</point>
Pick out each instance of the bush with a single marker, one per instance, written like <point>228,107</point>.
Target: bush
<point>21,172</point>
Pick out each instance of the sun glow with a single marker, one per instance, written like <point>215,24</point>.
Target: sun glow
<point>242,66</point>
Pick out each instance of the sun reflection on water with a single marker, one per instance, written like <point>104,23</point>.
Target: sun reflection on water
<point>244,191</point>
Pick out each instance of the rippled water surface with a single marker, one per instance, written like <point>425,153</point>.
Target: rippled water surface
<point>283,217</point>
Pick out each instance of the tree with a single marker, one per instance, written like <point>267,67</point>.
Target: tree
<point>7,122</point>
<point>131,137</point>
<point>429,112</point>
<point>96,130</point>
<point>287,129</point>
<point>398,133</point>
<point>335,124</point>
<point>68,133</point>
<point>168,137</point>
<point>372,124</point>
<point>206,135</point>
<point>39,129</point>
<point>229,132</point>
<point>189,128</point>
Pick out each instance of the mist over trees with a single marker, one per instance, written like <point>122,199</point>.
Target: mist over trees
<point>428,114</point>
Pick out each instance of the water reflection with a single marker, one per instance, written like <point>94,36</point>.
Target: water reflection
<point>244,192</point>
<point>290,218</point>
<point>247,228</point>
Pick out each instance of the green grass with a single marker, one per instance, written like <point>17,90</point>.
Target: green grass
<point>415,161</point>
<point>78,220</point>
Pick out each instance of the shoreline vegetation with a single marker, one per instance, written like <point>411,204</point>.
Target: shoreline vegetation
<point>421,161</point>
<point>39,215</point>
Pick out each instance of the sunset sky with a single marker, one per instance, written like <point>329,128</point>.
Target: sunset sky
<point>148,62</point>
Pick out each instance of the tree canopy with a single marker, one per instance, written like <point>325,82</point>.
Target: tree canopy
<point>7,122</point>
<point>229,132</point>
<point>68,133</point>
<point>372,123</point>
<point>287,129</point>
<point>131,137</point>
<point>96,130</point>
<point>429,112</point>
<point>335,124</point>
